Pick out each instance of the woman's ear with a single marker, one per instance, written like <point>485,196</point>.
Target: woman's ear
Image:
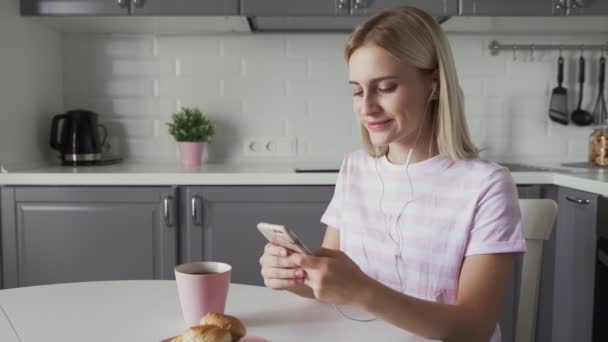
<point>435,84</point>
<point>435,90</point>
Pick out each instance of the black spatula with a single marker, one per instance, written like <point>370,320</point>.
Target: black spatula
<point>558,108</point>
<point>581,117</point>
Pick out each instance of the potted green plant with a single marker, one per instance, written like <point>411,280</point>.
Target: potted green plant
<point>191,128</point>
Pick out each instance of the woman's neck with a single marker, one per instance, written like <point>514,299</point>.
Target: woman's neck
<point>424,149</point>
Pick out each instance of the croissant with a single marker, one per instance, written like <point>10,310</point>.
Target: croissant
<point>204,333</point>
<point>230,323</point>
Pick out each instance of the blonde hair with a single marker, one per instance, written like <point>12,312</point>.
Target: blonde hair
<point>413,36</point>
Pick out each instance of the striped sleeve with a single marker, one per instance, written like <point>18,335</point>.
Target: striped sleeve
<point>497,220</point>
<point>333,214</point>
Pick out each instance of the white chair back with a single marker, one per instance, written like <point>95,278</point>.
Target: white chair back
<point>538,218</point>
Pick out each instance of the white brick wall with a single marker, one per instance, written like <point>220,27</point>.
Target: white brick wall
<point>296,86</point>
<point>30,88</point>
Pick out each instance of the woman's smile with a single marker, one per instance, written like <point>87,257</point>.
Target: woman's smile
<point>379,125</point>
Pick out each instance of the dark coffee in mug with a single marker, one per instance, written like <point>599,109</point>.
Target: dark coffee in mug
<point>201,273</point>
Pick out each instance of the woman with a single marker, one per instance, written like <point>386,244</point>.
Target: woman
<point>420,232</point>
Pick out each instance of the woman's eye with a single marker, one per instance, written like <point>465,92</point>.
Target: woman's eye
<point>357,93</point>
<point>388,89</point>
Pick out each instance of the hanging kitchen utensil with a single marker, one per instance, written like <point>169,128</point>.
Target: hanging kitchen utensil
<point>581,117</point>
<point>600,113</point>
<point>558,106</point>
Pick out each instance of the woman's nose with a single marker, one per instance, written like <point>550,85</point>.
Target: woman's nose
<point>369,105</point>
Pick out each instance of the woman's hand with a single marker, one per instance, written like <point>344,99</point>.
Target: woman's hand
<point>279,269</point>
<point>333,276</point>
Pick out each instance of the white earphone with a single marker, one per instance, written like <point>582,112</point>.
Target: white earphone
<point>434,94</point>
<point>398,239</point>
<point>392,230</point>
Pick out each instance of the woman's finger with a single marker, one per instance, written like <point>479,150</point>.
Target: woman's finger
<point>282,284</point>
<point>273,249</point>
<point>276,261</point>
<point>282,273</point>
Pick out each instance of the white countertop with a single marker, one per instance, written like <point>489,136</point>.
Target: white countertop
<point>256,173</point>
<point>7,333</point>
<point>148,310</point>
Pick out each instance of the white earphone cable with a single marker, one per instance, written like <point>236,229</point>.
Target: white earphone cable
<point>394,227</point>
<point>398,241</point>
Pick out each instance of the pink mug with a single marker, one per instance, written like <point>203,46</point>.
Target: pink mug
<point>202,287</point>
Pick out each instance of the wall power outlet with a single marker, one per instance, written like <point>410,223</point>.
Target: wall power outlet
<point>270,146</point>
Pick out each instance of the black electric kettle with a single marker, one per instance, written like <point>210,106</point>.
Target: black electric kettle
<point>78,140</point>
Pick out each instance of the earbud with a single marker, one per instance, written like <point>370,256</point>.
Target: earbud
<point>434,92</point>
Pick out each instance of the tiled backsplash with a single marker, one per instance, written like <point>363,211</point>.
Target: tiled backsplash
<point>30,87</point>
<point>256,86</point>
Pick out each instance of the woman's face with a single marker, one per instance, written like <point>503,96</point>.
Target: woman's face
<point>389,96</point>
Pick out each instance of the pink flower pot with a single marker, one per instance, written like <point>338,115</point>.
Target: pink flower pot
<point>190,153</point>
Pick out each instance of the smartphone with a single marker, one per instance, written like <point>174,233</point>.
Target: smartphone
<point>283,236</point>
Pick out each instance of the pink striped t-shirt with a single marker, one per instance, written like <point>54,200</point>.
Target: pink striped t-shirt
<point>457,208</point>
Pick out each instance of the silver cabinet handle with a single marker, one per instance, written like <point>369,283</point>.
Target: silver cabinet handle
<point>574,4</point>
<point>195,218</point>
<point>138,3</point>
<point>342,4</point>
<point>578,200</point>
<point>122,3</point>
<point>167,211</point>
<point>359,4</point>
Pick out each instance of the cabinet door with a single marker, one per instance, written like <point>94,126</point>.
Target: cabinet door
<point>589,7</point>
<point>222,226</point>
<point>433,7</point>
<point>75,7</point>
<point>511,7</point>
<point>575,247</point>
<point>294,7</point>
<point>185,7</point>
<point>71,234</point>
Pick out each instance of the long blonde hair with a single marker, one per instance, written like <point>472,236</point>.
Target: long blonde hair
<point>413,36</point>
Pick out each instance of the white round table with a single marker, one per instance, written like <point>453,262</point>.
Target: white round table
<point>149,311</point>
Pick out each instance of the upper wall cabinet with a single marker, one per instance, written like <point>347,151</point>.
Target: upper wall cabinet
<point>75,7</point>
<point>294,7</point>
<point>433,7</point>
<point>341,7</point>
<point>126,7</point>
<point>533,8</point>
<point>513,7</point>
<point>184,7</point>
<point>588,7</point>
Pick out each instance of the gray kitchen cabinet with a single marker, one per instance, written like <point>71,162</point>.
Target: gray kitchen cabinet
<point>184,7</point>
<point>219,222</point>
<point>433,7</point>
<point>574,265</point>
<point>294,7</point>
<point>526,191</point>
<point>72,234</point>
<point>588,7</point>
<point>512,7</point>
<point>75,7</point>
<point>568,279</point>
<point>341,7</point>
<point>126,7</point>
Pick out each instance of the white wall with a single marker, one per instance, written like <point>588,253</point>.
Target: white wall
<point>30,86</point>
<point>296,86</point>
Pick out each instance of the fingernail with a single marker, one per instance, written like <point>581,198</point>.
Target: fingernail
<point>299,273</point>
<point>283,252</point>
